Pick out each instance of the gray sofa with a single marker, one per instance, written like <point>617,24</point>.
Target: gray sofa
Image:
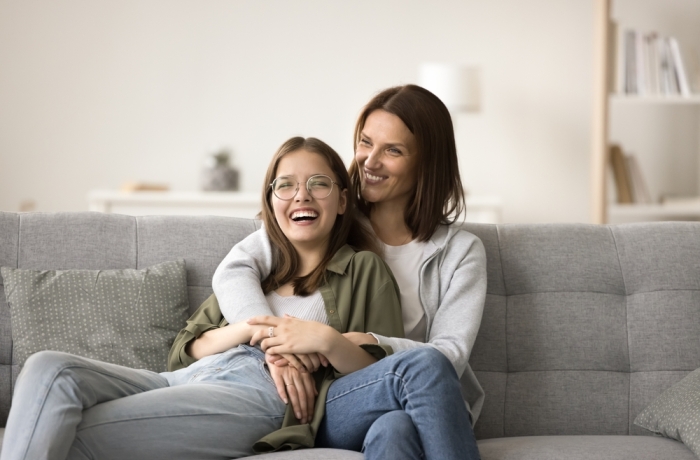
<point>583,326</point>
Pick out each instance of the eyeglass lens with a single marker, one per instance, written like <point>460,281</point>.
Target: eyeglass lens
<point>319,186</point>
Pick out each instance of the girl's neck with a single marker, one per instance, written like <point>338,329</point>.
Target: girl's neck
<point>309,258</point>
<point>389,225</point>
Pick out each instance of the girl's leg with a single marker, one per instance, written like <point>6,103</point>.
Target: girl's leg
<point>233,404</point>
<point>422,383</point>
<point>51,393</point>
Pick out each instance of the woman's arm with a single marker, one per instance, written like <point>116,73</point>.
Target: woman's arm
<point>236,281</point>
<point>458,300</point>
<point>295,336</point>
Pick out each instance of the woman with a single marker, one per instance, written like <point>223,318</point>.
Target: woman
<point>405,175</point>
<point>67,406</point>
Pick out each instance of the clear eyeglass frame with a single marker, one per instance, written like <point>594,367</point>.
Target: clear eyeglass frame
<point>318,189</point>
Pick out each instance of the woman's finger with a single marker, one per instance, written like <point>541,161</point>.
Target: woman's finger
<point>306,361</point>
<point>324,360</point>
<point>294,362</point>
<point>315,361</point>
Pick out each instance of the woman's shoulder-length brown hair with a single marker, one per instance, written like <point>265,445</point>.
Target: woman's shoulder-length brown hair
<point>438,196</point>
<point>346,229</point>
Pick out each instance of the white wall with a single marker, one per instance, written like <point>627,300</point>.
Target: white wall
<point>93,94</point>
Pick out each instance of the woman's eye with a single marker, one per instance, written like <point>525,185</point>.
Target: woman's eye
<point>394,151</point>
<point>364,142</point>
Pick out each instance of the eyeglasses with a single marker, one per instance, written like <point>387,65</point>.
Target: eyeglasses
<point>286,187</point>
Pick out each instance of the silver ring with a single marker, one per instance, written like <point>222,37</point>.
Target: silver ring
<point>289,384</point>
<point>271,332</point>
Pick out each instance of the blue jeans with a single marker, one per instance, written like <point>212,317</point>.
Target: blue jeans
<point>65,406</point>
<point>408,405</point>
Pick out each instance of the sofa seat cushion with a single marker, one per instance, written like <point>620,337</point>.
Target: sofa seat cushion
<point>312,454</point>
<point>583,448</point>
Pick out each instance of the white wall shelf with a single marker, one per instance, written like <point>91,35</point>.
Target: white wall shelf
<point>480,209</point>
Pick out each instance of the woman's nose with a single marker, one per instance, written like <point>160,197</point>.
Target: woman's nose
<point>372,160</point>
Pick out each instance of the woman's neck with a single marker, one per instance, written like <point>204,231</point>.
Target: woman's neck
<point>389,225</point>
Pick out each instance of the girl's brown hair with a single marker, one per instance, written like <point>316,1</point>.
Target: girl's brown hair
<point>438,197</point>
<point>346,230</point>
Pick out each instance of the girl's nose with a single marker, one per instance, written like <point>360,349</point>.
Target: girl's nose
<point>302,194</point>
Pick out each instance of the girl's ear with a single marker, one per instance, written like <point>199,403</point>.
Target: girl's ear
<point>342,201</point>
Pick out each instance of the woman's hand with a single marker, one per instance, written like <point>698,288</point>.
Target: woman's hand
<point>302,363</point>
<point>296,388</point>
<point>360,338</point>
<point>293,336</point>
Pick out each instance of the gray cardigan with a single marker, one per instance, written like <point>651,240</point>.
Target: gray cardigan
<point>452,288</point>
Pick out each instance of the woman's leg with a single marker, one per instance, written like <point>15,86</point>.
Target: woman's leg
<point>225,407</point>
<point>422,383</point>
<point>51,393</point>
<point>393,435</point>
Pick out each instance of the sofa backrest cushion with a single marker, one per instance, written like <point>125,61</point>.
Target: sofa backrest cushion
<point>584,325</point>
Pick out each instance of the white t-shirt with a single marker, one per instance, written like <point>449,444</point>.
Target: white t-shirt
<point>405,262</point>
<point>309,308</point>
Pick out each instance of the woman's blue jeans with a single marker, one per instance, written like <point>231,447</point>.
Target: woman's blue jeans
<point>408,405</point>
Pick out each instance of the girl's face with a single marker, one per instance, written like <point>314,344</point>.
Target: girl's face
<point>387,155</point>
<point>307,221</point>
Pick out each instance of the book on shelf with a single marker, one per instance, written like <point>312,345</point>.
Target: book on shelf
<point>646,64</point>
<point>630,185</point>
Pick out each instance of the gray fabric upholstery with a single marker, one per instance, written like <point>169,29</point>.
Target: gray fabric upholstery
<point>584,448</point>
<point>583,325</point>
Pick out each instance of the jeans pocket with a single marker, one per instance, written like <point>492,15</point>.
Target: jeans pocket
<point>266,373</point>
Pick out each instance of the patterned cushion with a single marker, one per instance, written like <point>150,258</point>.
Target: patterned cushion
<point>127,317</point>
<point>676,413</point>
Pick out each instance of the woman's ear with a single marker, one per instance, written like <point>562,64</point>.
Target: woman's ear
<point>342,201</point>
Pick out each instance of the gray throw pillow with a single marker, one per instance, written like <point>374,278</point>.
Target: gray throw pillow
<point>127,317</point>
<point>676,413</point>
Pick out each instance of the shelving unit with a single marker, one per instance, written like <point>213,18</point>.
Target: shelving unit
<point>663,130</point>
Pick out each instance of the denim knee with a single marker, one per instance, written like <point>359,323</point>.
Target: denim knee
<point>46,361</point>
<point>428,358</point>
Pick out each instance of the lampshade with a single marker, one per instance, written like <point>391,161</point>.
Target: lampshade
<point>457,86</point>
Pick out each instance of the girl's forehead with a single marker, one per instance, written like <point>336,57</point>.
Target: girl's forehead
<point>303,163</point>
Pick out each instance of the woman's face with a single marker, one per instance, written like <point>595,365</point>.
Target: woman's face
<point>307,221</point>
<point>387,155</point>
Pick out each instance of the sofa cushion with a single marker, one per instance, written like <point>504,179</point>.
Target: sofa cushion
<point>583,448</point>
<point>127,317</point>
<point>676,413</point>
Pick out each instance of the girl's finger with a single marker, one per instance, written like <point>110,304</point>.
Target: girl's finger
<point>310,389</point>
<point>294,362</point>
<point>306,361</point>
<point>293,398</point>
<point>300,386</point>
<point>279,384</point>
<point>266,320</point>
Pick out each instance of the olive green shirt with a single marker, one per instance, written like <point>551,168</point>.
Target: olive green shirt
<point>360,294</point>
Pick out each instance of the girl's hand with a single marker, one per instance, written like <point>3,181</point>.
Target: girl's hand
<point>293,336</point>
<point>360,338</point>
<point>295,388</point>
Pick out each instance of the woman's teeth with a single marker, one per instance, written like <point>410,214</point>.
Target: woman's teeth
<point>372,177</point>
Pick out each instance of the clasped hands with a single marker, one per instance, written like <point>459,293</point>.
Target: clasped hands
<point>294,349</point>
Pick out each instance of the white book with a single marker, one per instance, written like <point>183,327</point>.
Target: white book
<point>664,71</point>
<point>679,67</point>
<point>673,76</point>
<point>640,61</point>
<point>654,84</point>
<point>630,63</point>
